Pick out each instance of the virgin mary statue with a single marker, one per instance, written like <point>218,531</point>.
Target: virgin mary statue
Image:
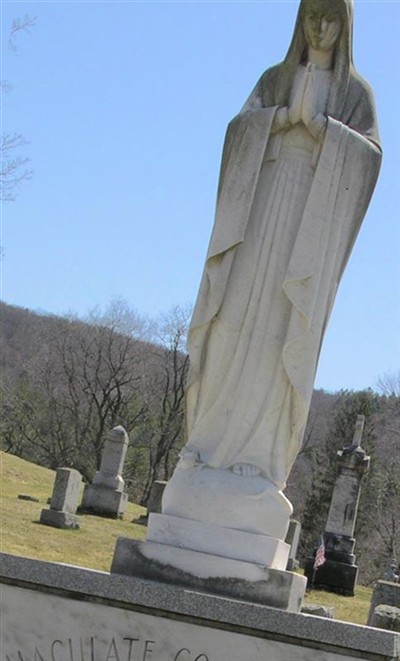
<point>299,166</point>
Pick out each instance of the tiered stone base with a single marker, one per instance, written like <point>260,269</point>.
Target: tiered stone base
<point>337,577</point>
<point>339,573</point>
<point>219,532</point>
<point>57,519</point>
<point>103,501</point>
<point>215,540</point>
<point>209,573</point>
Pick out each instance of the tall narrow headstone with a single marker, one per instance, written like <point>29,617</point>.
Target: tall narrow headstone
<point>339,572</point>
<point>106,496</point>
<point>292,538</point>
<point>64,501</point>
<point>155,498</point>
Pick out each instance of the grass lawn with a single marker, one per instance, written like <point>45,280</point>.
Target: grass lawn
<point>93,544</point>
<point>350,609</point>
<point>21,534</point>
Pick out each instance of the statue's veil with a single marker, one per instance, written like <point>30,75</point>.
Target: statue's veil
<point>343,62</point>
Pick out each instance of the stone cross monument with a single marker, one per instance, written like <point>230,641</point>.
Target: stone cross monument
<point>339,572</point>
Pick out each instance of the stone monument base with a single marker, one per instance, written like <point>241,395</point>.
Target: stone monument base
<point>59,519</point>
<point>103,501</point>
<point>210,573</point>
<point>332,576</point>
<point>218,540</point>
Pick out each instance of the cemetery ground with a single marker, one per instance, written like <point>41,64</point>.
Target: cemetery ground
<point>93,544</point>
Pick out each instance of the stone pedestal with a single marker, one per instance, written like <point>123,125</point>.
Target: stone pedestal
<point>64,501</point>
<point>219,532</point>
<point>104,501</point>
<point>106,496</point>
<point>59,519</point>
<point>209,573</point>
<point>333,576</point>
<point>339,572</point>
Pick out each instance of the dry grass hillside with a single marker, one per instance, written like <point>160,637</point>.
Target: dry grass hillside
<point>21,534</point>
<point>93,544</point>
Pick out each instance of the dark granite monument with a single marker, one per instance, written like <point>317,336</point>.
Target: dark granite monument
<point>339,571</point>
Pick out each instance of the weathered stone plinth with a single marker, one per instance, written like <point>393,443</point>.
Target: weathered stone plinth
<point>209,573</point>
<point>220,532</point>
<point>59,519</point>
<point>103,501</point>
<point>339,573</point>
<point>333,576</point>
<point>214,540</point>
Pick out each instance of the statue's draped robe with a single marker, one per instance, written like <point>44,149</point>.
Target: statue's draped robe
<point>286,221</point>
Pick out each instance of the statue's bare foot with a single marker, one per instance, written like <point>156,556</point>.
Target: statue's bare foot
<point>246,470</point>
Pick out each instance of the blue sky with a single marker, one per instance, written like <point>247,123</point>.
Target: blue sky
<point>125,105</point>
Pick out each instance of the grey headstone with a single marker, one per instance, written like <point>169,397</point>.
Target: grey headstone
<point>293,538</point>
<point>386,617</point>
<point>155,498</point>
<point>66,490</point>
<point>320,611</point>
<point>64,501</point>
<point>392,573</point>
<point>385,592</point>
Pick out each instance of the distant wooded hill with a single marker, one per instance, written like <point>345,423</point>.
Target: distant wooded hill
<point>65,382</point>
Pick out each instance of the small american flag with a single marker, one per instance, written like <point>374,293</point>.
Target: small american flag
<point>320,558</point>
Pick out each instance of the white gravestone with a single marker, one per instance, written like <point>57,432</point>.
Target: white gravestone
<point>106,496</point>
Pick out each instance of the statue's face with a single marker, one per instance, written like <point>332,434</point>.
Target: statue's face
<point>321,26</point>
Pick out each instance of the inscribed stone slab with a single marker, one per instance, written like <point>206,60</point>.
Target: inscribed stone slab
<point>52,628</point>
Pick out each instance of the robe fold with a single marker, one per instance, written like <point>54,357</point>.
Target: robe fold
<point>283,232</point>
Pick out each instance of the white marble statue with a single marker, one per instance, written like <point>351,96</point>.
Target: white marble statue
<point>299,165</point>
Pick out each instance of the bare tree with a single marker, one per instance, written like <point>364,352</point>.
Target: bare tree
<point>389,384</point>
<point>164,430</point>
<point>85,380</point>
<point>14,167</point>
<point>385,516</point>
